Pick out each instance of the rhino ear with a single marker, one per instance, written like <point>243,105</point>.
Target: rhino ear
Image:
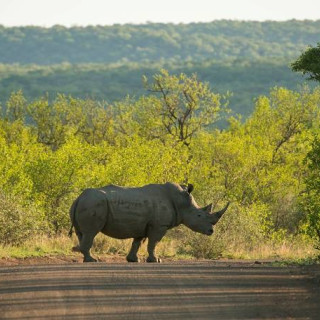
<point>207,208</point>
<point>190,188</point>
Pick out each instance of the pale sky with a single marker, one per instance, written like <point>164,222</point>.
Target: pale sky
<point>108,12</point>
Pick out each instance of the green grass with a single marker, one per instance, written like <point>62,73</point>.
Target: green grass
<point>308,261</point>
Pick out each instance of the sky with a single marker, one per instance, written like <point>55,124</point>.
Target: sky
<point>47,13</point>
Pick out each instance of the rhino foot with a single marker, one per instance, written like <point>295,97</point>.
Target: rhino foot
<point>89,259</point>
<point>154,259</point>
<point>132,259</point>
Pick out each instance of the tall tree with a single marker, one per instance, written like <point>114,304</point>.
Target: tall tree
<point>185,104</point>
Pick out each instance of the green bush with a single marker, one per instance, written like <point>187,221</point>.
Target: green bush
<point>18,223</point>
<point>201,247</point>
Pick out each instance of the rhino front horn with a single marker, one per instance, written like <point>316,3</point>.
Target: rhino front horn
<point>217,215</point>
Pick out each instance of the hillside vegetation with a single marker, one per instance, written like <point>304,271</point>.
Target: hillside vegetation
<point>108,62</point>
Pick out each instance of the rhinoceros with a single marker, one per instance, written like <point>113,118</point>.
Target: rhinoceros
<point>138,213</point>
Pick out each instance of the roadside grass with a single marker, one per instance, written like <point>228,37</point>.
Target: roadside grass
<point>295,250</point>
<point>39,246</point>
<point>298,262</point>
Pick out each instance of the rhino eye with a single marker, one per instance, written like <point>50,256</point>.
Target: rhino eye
<point>199,215</point>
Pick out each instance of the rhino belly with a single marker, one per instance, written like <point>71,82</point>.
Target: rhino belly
<point>125,230</point>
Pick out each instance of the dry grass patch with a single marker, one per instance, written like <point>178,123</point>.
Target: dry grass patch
<point>174,246</point>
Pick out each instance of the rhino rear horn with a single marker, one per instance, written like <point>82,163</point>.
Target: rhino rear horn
<point>217,215</point>
<point>207,208</point>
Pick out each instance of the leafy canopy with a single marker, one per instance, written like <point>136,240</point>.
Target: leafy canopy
<point>309,63</point>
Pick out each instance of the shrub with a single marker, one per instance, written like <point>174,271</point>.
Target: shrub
<point>201,246</point>
<point>18,222</point>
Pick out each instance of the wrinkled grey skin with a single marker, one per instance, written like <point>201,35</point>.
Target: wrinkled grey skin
<point>138,213</point>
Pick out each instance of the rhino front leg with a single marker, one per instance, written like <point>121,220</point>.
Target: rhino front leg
<point>85,246</point>
<point>153,238</point>
<point>132,255</point>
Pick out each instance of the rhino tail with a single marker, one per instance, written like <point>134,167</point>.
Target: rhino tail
<point>72,216</point>
<point>70,231</point>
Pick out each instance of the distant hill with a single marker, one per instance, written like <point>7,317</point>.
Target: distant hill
<point>154,41</point>
<point>107,62</point>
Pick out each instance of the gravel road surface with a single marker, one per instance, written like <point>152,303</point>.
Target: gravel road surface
<point>172,290</point>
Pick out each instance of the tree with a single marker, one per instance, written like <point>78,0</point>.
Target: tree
<point>48,123</point>
<point>185,104</point>
<point>309,63</point>
<point>90,119</point>
<point>281,129</point>
<point>16,107</point>
<point>54,176</point>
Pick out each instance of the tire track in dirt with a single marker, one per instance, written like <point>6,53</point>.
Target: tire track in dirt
<point>190,290</point>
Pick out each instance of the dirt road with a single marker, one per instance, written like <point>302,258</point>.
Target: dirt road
<point>172,290</point>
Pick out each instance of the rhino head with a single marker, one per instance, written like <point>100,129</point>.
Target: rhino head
<point>199,219</point>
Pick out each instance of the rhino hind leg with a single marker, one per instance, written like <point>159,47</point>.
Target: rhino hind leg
<point>132,255</point>
<point>77,247</point>
<point>85,246</point>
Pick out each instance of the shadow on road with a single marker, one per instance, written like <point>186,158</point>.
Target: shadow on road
<point>151,291</point>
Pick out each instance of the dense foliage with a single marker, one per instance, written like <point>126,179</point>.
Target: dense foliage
<point>309,63</point>
<point>310,198</point>
<point>50,151</point>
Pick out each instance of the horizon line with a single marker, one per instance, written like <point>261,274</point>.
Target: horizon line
<point>75,25</point>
